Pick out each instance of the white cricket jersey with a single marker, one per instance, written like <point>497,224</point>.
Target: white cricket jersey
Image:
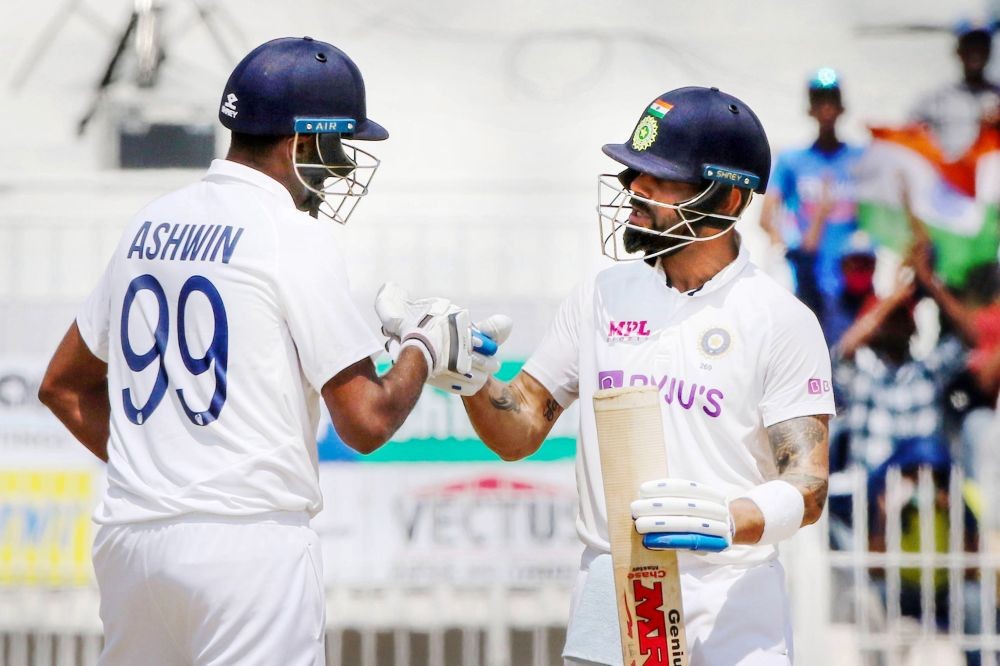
<point>221,314</point>
<point>730,359</point>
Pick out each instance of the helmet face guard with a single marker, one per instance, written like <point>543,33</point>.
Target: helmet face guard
<point>614,205</point>
<point>339,178</point>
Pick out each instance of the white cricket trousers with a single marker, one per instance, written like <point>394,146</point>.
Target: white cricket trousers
<point>211,591</point>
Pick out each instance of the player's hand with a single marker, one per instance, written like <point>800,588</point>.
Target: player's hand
<point>496,329</point>
<point>441,331</point>
<point>486,338</point>
<point>679,514</point>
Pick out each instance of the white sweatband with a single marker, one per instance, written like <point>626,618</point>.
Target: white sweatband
<point>783,507</point>
<point>424,348</point>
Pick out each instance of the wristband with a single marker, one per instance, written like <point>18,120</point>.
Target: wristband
<point>783,507</point>
<point>424,347</point>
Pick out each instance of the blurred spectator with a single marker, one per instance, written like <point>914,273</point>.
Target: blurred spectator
<point>983,291</point>
<point>888,395</point>
<point>975,394</point>
<point>857,271</point>
<point>909,457</point>
<point>815,185</point>
<point>956,111</point>
<point>977,325</point>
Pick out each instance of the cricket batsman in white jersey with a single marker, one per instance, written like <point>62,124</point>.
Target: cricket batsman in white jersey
<point>198,365</point>
<point>742,369</point>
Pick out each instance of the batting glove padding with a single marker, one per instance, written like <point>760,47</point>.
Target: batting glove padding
<point>487,336</point>
<point>469,361</point>
<point>682,514</point>
<point>432,325</point>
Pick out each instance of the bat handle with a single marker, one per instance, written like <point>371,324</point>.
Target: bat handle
<point>684,541</point>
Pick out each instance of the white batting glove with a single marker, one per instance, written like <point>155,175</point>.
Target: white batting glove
<point>441,331</point>
<point>498,328</point>
<point>394,307</point>
<point>679,514</point>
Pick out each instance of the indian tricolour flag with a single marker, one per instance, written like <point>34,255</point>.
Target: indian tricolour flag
<point>957,201</point>
<point>659,108</point>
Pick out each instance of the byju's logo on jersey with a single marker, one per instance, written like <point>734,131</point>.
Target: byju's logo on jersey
<point>628,329</point>
<point>608,379</point>
<point>229,107</point>
<point>818,386</point>
<point>673,390</point>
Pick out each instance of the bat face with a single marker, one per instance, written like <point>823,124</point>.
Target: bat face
<point>647,583</point>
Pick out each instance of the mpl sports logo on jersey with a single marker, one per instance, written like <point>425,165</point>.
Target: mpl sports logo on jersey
<point>628,329</point>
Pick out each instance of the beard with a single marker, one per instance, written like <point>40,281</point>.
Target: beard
<point>636,240</point>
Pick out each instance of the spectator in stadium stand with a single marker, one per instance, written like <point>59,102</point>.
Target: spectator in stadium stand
<point>910,455</point>
<point>889,395</point>
<point>857,271</point>
<point>983,290</point>
<point>811,207</point>
<point>955,112</point>
<point>974,394</point>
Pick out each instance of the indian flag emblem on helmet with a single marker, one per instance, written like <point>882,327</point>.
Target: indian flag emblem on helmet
<point>645,133</point>
<point>659,108</point>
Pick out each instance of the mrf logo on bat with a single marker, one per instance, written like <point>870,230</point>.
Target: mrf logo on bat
<point>658,643</point>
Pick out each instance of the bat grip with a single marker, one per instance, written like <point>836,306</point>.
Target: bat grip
<point>483,343</point>
<point>684,541</point>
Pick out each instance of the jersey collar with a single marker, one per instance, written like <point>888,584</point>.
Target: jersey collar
<point>226,170</point>
<point>720,279</point>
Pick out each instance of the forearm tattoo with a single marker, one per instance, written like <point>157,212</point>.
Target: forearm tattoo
<point>801,455</point>
<point>551,407</point>
<point>507,401</point>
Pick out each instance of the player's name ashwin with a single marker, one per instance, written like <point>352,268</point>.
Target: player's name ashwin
<point>185,242</point>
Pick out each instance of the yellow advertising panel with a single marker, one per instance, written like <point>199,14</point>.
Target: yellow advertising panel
<point>45,527</point>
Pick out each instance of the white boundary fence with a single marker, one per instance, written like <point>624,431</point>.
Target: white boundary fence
<point>851,606</point>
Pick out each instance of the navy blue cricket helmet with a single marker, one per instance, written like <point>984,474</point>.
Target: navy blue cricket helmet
<point>289,85</point>
<point>694,135</point>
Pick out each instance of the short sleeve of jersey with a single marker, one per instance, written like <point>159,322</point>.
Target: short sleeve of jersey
<point>94,317</point>
<point>328,330</point>
<point>797,377</point>
<point>556,362</point>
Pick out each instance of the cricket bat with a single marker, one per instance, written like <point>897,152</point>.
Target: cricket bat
<point>647,584</point>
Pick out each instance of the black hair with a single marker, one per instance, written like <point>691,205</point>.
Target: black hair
<point>818,95</point>
<point>982,283</point>
<point>718,198</point>
<point>975,39</point>
<point>256,145</point>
